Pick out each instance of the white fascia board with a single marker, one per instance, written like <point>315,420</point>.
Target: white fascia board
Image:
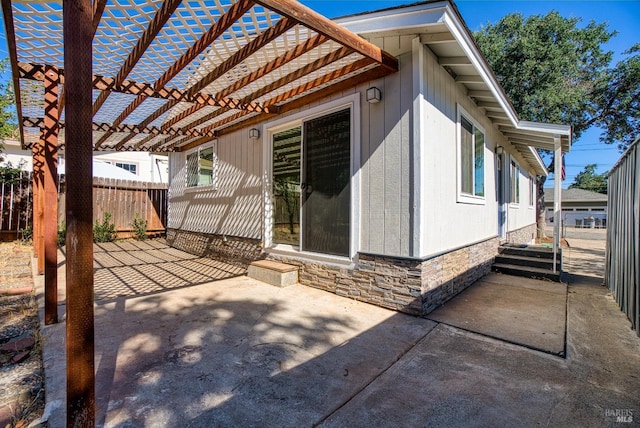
<point>413,17</point>
<point>466,43</point>
<point>549,128</point>
<point>539,161</point>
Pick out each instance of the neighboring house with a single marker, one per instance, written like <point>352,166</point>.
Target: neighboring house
<point>578,207</point>
<point>148,167</point>
<point>396,192</point>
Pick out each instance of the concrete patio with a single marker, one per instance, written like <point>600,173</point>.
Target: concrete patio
<point>182,341</point>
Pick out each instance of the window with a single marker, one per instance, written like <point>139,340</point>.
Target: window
<point>201,166</point>
<point>471,159</point>
<point>131,167</point>
<point>532,190</point>
<point>515,183</point>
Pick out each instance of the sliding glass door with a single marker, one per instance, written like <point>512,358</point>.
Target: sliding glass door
<point>312,191</point>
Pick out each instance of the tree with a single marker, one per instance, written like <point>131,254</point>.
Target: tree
<point>556,72</point>
<point>588,179</point>
<point>8,126</point>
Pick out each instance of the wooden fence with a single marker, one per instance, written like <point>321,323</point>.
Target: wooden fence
<point>622,266</point>
<point>121,198</point>
<point>15,205</point>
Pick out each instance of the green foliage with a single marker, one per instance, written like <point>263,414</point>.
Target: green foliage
<point>8,125</point>
<point>549,67</point>
<point>105,231</point>
<point>588,179</point>
<point>556,72</point>
<point>27,234</point>
<point>10,174</point>
<point>62,234</point>
<point>620,98</point>
<point>139,227</point>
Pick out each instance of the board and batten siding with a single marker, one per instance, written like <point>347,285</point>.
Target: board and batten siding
<point>386,181</point>
<point>234,206</point>
<point>447,223</point>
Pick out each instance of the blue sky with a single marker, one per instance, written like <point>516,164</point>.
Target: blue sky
<point>622,16</point>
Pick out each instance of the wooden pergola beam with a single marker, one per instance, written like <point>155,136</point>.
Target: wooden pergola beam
<point>156,24</point>
<point>245,52</point>
<point>109,84</point>
<point>325,26</point>
<point>233,14</point>
<point>291,77</point>
<point>299,50</point>
<point>369,75</point>
<point>7,14</point>
<point>37,122</point>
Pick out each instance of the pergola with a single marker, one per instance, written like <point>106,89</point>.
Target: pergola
<point>157,76</point>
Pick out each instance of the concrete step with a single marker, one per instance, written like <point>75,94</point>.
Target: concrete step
<point>526,271</point>
<point>528,251</point>
<point>274,273</point>
<point>536,262</point>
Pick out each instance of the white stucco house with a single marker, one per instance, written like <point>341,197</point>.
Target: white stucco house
<point>397,192</point>
<point>134,166</point>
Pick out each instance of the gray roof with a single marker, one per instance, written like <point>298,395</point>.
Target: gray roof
<point>575,195</point>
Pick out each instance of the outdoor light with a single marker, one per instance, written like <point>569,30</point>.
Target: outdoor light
<point>254,133</point>
<point>374,95</point>
<point>499,150</point>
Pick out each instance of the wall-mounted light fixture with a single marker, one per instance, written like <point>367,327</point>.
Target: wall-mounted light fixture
<point>373,95</point>
<point>254,133</point>
<point>499,150</point>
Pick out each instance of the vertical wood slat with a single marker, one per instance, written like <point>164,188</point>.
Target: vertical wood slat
<point>50,139</point>
<point>78,62</point>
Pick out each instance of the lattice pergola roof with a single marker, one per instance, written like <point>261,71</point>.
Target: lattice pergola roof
<point>172,74</point>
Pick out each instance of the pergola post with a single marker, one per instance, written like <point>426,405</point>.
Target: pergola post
<point>38,203</point>
<point>50,139</point>
<point>557,206</point>
<point>78,34</point>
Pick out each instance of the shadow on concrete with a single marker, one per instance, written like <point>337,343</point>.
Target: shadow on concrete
<point>139,268</point>
<point>235,353</point>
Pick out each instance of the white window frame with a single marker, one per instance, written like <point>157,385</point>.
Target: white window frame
<point>513,165</point>
<point>115,163</point>
<point>271,128</point>
<point>463,197</point>
<point>532,191</point>
<point>214,179</point>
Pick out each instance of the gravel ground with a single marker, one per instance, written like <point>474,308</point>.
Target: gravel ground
<point>21,375</point>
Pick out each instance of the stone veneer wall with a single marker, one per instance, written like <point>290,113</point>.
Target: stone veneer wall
<point>407,285</point>
<point>230,249</point>
<point>524,235</point>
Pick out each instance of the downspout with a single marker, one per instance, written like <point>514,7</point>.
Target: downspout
<point>557,217</point>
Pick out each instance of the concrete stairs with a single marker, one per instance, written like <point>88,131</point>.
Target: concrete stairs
<point>274,273</point>
<point>530,261</point>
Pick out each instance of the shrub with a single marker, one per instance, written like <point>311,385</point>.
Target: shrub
<point>62,234</point>
<point>139,227</point>
<point>27,234</point>
<point>105,231</point>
